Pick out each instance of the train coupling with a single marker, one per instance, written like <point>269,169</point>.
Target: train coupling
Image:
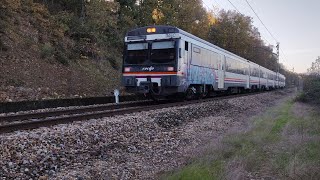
<point>145,87</point>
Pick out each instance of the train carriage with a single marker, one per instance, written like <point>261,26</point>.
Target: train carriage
<point>161,61</point>
<point>254,76</point>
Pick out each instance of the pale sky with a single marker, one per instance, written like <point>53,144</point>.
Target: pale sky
<point>294,23</point>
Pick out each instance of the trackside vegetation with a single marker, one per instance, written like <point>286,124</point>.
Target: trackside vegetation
<point>282,144</point>
<point>82,29</point>
<point>311,89</point>
<point>311,84</point>
<point>71,48</point>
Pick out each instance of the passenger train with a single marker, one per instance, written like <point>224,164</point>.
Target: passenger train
<point>165,61</point>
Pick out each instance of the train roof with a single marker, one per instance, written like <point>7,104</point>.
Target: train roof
<point>160,30</point>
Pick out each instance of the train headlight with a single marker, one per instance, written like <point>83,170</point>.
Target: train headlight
<point>127,69</point>
<point>170,68</point>
<point>151,30</point>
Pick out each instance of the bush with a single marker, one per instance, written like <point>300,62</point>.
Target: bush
<point>302,97</point>
<point>46,50</point>
<point>113,62</point>
<point>61,54</point>
<point>62,58</point>
<point>311,89</point>
<point>28,42</point>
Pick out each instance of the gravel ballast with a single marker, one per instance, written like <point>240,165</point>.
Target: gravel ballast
<point>135,146</point>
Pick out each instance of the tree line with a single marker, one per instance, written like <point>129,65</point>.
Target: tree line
<point>98,26</point>
<point>315,67</point>
<point>311,84</point>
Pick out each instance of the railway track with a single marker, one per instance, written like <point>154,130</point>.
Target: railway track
<point>26,121</point>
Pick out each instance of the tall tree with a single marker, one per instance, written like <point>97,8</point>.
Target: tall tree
<point>144,12</point>
<point>127,15</point>
<point>188,15</point>
<point>233,32</point>
<point>315,67</point>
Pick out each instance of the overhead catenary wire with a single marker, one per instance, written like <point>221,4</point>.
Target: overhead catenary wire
<point>261,21</point>
<point>255,14</point>
<point>241,13</point>
<point>209,7</point>
<point>284,57</point>
<point>234,7</point>
<point>265,39</point>
<point>217,3</point>
<point>283,54</point>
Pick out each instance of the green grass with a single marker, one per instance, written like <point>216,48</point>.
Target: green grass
<point>311,152</point>
<point>203,171</point>
<point>265,146</point>
<point>280,122</point>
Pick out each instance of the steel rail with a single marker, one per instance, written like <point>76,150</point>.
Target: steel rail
<point>37,115</point>
<point>94,115</point>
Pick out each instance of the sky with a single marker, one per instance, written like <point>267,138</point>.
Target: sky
<point>294,24</point>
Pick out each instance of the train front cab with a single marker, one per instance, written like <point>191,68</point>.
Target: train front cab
<point>150,64</point>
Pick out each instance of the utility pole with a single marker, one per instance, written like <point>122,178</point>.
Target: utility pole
<point>278,59</point>
<point>278,55</point>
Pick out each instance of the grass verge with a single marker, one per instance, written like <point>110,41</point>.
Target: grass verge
<point>280,145</point>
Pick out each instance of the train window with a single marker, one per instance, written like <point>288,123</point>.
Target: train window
<point>137,46</point>
<point>270,76</point>
<point>137,53</point>
<point>186,45</point>
<point>254,72</point>
<point>242,68</point>
<point>235,66</point>
<point>163,52</point>
<point>163,45</point>
<point>246,70</point>
<point>197,58</point>
<point>257,72</point>
<point>204,58</point>
<point>263,74</point>
<point>214,60</point>
<point>229,65</point>
<point>196,50</point>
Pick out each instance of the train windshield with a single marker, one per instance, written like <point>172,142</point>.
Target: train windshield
<point>163,52</point>
<point>137,53</point>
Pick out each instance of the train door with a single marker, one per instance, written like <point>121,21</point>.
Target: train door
<point>277,80</point>
<point>248,77</point>
<point>187,57</point>
<point>222,64</point>
<point>267,77</point>
<point>260,74</point>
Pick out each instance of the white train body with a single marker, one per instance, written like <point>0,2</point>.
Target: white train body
<point>165,60</point>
